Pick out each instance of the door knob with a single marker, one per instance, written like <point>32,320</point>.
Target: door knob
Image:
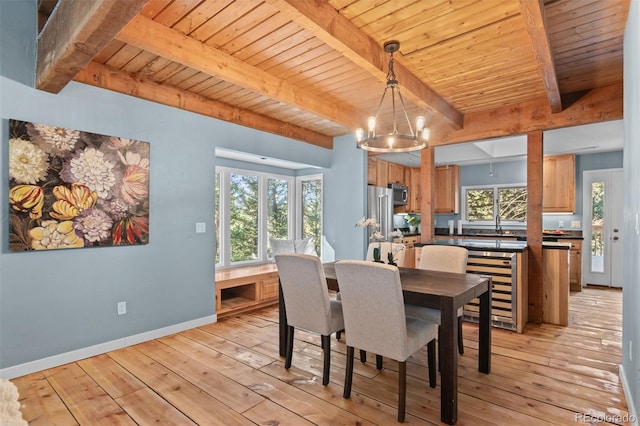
<point>615,238</point>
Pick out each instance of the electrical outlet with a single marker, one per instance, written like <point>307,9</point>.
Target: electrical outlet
<point>561,224</point>
<point>122,308</point>
<point>575,224</point>
<point>201,228</point>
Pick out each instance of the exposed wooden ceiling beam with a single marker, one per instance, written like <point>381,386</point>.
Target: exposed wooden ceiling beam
<point>323,21</point>
<point>153,37</point>
<point>534,21</point>
<point>597,105</point>
<point>101,76</point>
<point>75,33</point>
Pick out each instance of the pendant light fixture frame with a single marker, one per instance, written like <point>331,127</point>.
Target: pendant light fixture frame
<point>393,141</point>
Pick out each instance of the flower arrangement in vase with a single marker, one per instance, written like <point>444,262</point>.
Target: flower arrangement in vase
<point>376,235</point>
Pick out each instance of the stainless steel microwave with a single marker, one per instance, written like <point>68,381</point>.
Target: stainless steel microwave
<point>400,194</point>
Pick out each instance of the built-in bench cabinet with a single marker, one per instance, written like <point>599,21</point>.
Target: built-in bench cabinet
<point>242,289</point>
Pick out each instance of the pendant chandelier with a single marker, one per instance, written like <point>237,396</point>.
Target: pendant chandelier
<point>393,140</point>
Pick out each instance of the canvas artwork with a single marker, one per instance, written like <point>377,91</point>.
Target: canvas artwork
<point>74,189</point>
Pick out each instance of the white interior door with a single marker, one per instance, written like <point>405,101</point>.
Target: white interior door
<point>602,229</point>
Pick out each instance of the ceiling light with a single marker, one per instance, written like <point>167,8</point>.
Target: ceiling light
<point>393,140</point>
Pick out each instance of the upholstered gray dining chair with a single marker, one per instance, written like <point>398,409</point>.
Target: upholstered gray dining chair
<point>307,303</point>
<point>444,259</point>
<point>374,319</point>
<point>398,251</point>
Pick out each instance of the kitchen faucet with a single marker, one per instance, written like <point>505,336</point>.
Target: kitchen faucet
<point>498,224</point>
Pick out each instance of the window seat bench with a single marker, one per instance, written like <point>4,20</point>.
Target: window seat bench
<point>246,288</point>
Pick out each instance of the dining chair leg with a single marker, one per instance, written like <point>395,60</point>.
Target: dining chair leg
<point>379,362</point>
<point>338,334</point>
<point>402,390</point>
<point>348,373</point>
<point>460,342</point>
<point>326,346</point>
<point>363,356</point>
<point>431,359</point>
<point>287,363</point>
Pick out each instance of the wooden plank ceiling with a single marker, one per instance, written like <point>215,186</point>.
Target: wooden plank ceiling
<point>313,70</point>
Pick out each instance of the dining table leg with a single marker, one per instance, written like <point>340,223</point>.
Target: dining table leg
<point>449,362</point>
<point>484,337</point>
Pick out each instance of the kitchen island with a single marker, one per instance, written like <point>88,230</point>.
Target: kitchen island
<point>506,261</point>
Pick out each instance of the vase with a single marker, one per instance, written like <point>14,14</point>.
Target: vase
<point>412,228</point>
<point>376,254</point>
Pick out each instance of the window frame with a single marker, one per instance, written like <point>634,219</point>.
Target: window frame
<point>496,188</point>
<point>294,212</point>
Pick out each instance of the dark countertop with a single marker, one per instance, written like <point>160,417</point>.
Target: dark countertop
<point>494,245</point>
<point>518,234</point>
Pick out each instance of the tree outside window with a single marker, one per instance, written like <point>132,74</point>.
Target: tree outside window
<point>243,217</point>
<point>312,211</point>
<point>481,203</point>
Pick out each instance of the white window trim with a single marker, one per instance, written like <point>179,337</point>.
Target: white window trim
<point>225,212</point>
<point>299,181</point>
<point>463,207</point>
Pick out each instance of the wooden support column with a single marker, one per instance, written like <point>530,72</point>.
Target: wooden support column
<point>534,223</point>
<point>427,187</point>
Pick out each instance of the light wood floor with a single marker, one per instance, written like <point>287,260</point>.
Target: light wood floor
<point>230,373</point>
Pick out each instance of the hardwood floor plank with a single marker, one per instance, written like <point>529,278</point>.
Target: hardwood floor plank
<point>41,405</point>
<point>270,413</point>
<point>110,375</point>
<point>215,384</point>
<point>85,399</point>
<point>185,396</point>
<point>231,373</point>
<point>146,407</point>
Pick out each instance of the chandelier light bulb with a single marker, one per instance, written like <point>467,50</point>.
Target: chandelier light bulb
<point>359,134</point>
<point>419,123</point>
<point>426,133</point>
<point>371,124</point>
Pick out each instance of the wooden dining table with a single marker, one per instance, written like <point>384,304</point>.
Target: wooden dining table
<point>444,291</point>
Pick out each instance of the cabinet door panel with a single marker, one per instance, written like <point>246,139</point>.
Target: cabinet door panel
<point>559,184</point>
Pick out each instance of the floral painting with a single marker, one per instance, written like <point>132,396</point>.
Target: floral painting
<point>73,189</point>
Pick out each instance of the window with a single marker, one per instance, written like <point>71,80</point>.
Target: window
<point>485,203</point>
<point>252,207</point>
<point>310,189</point>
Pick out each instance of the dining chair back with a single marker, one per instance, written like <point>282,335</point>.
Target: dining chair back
<point>397,249</point>
<point>307,302</point>
<point>444,259</point>
<point>375,320</point>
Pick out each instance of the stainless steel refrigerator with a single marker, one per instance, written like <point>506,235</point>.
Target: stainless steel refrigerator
<point>380,207</point>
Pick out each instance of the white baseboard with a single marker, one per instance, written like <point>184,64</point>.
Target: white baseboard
<point>633,417</point>
<point>78,354</point>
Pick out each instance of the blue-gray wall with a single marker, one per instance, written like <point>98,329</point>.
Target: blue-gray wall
<point>59,301</point>
<point>631,211</point>
<point>516,172</point>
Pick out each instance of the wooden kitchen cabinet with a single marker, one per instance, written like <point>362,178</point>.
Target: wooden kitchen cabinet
<point>396,173</point>
<point>377,172</point>
<point>382,173</point>
<point>559,184</point>
<point>372,171</point>
<point>415,193</point>
<point>575,265</point>
<point>447,189</point>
